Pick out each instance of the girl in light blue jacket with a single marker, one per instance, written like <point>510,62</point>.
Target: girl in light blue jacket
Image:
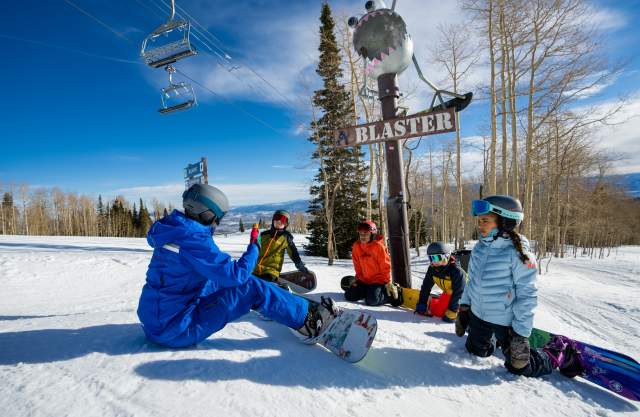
<point>501,293</point>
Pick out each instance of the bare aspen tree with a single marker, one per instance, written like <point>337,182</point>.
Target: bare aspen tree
<point>457,56</point>
<point>504,63</point>
<point>24,197</point>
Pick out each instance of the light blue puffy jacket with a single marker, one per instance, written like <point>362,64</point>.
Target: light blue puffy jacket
<point>501,288</point>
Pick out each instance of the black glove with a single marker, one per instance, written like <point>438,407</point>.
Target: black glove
<point>462,321</point>
<point>303,269</point>
<point>518,350</point>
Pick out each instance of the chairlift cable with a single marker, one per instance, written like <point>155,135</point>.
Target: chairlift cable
<point>287,100</point>
<point>177,70</point>
<point>115,32</point>
<point>195,29</point>
<point>229,102</point>
<point>77,51</point>
<point>212,38</point>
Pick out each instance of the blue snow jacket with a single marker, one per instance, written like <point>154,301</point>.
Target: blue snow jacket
<point>501,288</point>
<point>186,266</point>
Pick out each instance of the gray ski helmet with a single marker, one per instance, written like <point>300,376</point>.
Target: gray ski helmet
<point>438,248</point>
<point>205,204</point>
<point>509,203</point>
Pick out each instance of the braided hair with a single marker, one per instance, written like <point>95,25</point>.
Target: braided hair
<point>517,243</point>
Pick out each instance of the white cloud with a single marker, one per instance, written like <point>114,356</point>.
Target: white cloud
<point>623,138</point>
<point>606,19</point>
<point>237,193</point>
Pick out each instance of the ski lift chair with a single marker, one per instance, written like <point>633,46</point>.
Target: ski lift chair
<point>167,44</point>
<point>176,96</point>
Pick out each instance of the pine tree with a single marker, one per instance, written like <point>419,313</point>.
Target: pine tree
<point>8,217</point>
<point>241,226</point>
<point>144,220</point>
<point>338,198</point>
<point>101,217</point>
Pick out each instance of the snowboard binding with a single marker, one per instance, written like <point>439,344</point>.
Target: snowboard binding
<point>318,317</point>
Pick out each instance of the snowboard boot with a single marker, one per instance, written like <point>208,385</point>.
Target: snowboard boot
<point>519,352</point>
<point>562,354</point>
<point>318,317</point>
<point>394,294</point>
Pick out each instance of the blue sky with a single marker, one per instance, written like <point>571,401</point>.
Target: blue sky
<point>76,116</point>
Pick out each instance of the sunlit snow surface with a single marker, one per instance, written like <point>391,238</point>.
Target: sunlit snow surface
<point>70,345</point>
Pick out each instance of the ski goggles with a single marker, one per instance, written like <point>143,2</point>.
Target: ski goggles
<point>280,218</point>
<point>364,227</point>
<point>438,258</point>
<point>479,207</point>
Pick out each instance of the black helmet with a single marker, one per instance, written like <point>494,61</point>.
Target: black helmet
<point>438,248</point>
<point>282,215</point>
<point>508,209</point>
<point>205,204</point>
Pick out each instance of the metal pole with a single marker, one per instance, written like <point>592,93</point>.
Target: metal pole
<point>396,206</point>
<point>205,174</point>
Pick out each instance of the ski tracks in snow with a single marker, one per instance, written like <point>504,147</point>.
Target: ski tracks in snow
<point>70,345</point>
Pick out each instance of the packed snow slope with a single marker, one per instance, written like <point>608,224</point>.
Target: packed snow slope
<point>70,345</point>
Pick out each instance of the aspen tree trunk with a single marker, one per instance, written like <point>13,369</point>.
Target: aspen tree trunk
<point>492,103</point>
<point>504,178</point>
<point>434,236</point>
<point>515,171</point>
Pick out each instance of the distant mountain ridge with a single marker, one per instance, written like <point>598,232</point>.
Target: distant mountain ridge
<point>630,182</point>
<point>253,213</point>
<point>291,206</point>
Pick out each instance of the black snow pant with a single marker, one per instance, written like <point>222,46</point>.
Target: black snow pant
<point>373,294</point>
<point>480,343</point>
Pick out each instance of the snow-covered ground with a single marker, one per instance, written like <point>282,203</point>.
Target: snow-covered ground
<point>70,345</point>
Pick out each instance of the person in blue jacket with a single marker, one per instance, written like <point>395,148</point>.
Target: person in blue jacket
<point>501,294</point>
<point>193,289</point>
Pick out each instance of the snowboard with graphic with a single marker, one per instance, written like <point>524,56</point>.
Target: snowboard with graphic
<point>611,370</point>
<point>349,334</point>
<point>299,282</point>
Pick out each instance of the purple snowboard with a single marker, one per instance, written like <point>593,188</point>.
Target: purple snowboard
<point>611,370</point>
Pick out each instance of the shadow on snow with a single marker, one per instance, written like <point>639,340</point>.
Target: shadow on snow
<point>295,364</point>
<point>55,247</point>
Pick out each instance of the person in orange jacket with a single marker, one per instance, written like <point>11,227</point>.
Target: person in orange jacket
<point>373,270</point>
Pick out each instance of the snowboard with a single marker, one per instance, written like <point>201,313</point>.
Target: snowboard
<point>349,334</point>
<point>299,282</point>
<point>611,370</point>
<point>437,306</point>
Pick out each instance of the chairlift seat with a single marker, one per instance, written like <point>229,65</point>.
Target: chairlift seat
<point>167,44</point>
<point>176,97</point>
<point>182,106</point>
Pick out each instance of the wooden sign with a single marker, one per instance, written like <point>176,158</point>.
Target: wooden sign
<point>420,124</point>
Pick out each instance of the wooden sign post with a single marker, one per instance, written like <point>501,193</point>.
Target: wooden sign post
<point>390,130</point>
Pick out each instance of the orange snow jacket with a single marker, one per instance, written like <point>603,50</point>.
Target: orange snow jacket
<point>371,261</point>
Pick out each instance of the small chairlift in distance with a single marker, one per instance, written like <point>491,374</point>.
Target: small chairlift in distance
<point>176,96</point>
<point>169,43</point>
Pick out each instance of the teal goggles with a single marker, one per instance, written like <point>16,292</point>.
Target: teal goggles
<point>479,207</point>
<point>438,258</point>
